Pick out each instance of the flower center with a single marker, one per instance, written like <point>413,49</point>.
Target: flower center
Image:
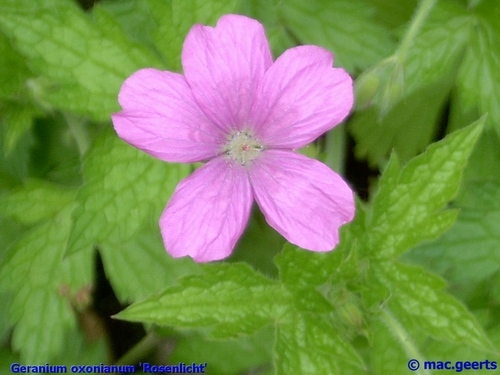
<point>242,147</point>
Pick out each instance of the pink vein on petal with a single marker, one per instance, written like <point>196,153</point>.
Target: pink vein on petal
<point>301,198</point>
<point>208,212</point>
<point>224,66</point>
<point>301,97</point>
<point>161,117</point>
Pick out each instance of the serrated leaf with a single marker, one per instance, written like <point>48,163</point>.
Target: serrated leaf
<point>303,274</point>
<point>125,188</point>
<point>468,255</point>
<point>85,69</point>
<point>417,298</point>
<point>175,18</point>
<point>407,208</point>
<point>35,200</point>
<point>343,27</point>
<point>308,345</point>
<point>309,276</point>
<point>229,299</point>
<point>44,287</point>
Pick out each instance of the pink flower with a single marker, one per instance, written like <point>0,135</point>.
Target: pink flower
<point>244,114</point>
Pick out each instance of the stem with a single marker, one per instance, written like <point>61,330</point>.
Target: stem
<point>422,13</point>
<point>140,350</point>
<point>335,143</point>
<point>403,337</point>
<point>77,131</point>
<point>394,88</point>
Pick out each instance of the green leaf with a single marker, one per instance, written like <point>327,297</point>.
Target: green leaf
<point>316,336</point>
<point>82,351</point>
<point>249,248</point>
<point>468,254</point>
<point>45,287</point>
<point>480,69</point>
<point>266,11</point>
<point>438,47</point>
<point>407,210</point>
<point>35,201</point>
<point>55,152</point>
<point>242,355</point>
<point>395,344</point>
<point>388,354</point>
<point>130,255</point>
<point>408,207</point>
<point>141,267</point>
<point>308,345</point>
<point>393,14</point>
<point>131,19</point>
<point>484,158</point>
<point>435,351</point>
<point>406,93</point>
<point>176,17</point>
<point>417,299</point>
<point>301,269</point>
<point>7,358</point>
<point>406,129</point>
<point>13,70</point>
<point>118,210</point>
<point>124,189</point>
<point>85,69</point>
<point>17,119</point>
<point>343,27</point>
<point>5,302</point>
<point>16,141</point>
<point>228,299</point>
<point>303,273</point>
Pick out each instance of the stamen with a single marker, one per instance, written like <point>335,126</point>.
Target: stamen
<point>242,147</point>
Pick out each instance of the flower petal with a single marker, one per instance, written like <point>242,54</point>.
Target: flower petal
<point>161,117</point>
<point>224,66</point>
<point>302,96</point>
<point>208,212</point>
<point>301,198</point>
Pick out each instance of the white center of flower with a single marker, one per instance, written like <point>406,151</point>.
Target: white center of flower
<point>242,147</point>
